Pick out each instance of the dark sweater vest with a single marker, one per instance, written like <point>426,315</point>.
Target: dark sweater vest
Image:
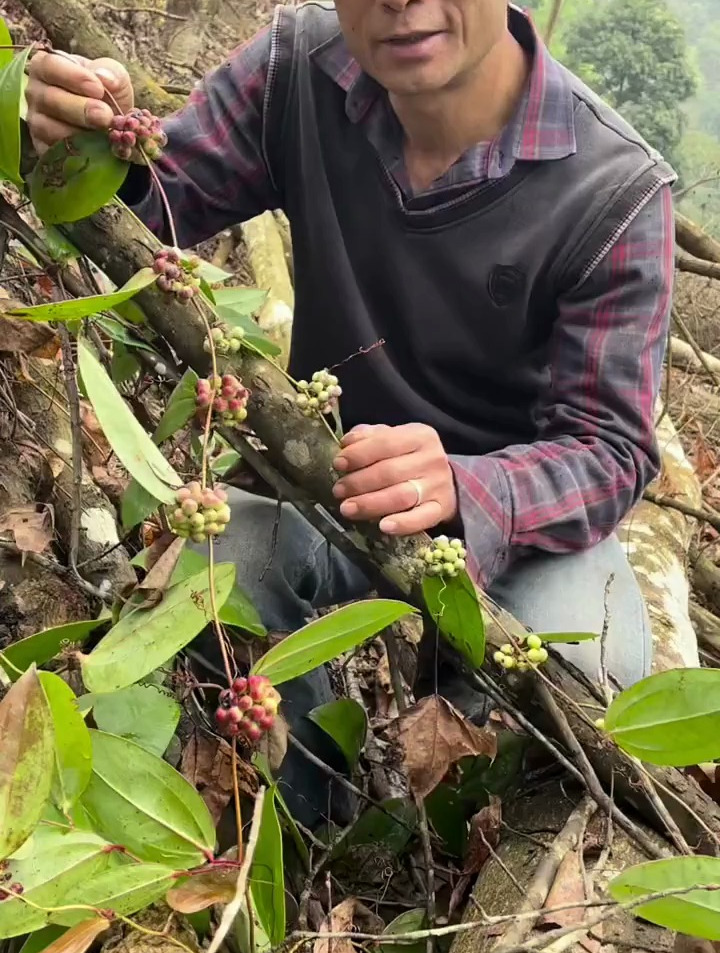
<point>464,293</point>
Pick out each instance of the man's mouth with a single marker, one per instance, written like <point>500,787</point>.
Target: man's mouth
<point>410,39</point>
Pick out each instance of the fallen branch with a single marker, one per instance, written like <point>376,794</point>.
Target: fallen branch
<point>702,515</point>
<point>694,240</point>
<point>695,266</point>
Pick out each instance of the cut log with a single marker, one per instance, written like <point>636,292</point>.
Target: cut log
<point>657,540</point>
<point>694,240</point>
<point>683,355</point>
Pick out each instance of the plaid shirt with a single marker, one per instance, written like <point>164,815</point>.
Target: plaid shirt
<point>596,451</point>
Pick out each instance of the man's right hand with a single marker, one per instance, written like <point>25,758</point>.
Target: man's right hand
<point>67,94</point>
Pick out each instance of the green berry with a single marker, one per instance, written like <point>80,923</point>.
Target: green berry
<point>197,521</point>
<point>199,537</point>
<point>441,541</point>
<point>302,400</point>
<point>303,385</point>
<point>499,658</point>
<point>456,543</point>
<point>523,666</point>
<point>544,656</point>
<point>534,642</point>
<point>535,656</point>
<point>600,724</point>
<point>437,556</point>
<point>507,649</point>
<point>323,397</point>
<point>508,662</point>
<point>460,564</point>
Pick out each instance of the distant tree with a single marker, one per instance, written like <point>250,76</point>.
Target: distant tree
<point>634,54</point>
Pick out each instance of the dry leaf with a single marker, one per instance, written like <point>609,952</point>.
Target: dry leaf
<point>207,764</point>
<point>274,744</point>
<point>160,571</point>
<point>433,736</point>
<point>78,938</point>
<point>568,888</point>
<point>203,890</point>
<point>484,835</point>
<point>26,337</point>
<point>345,917</point>
<point>31,529</point>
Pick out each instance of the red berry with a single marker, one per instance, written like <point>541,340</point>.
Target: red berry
<point>266,722</point>
<point>253,732</point>
<point>239,686</point>
<point>257,686</point>
<point>235,715</point>
<point>245,703</point>
<point>222,716</point>
<point>256,713</point>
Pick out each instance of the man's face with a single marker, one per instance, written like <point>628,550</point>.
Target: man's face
<point>421,46</point>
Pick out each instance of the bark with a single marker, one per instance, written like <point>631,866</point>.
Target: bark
<point>302,451</point>
<point>71,28</point>
<point>266,255</point>
<point>685,356</point>
<point>532,827</point>
<point>694,266</point>
<point>707,627</point>
<point>657,540</point>
<point>692,239</point>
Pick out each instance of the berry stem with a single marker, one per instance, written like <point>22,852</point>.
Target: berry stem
<point>163,196</point>
<point>238,809</point>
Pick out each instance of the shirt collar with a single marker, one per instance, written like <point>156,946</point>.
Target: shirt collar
<point>543,126</point>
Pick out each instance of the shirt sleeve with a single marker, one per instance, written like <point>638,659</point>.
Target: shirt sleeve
<point>212,170</point>
<point>596,449</point>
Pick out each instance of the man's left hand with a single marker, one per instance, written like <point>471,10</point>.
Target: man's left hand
<point>399,476</point>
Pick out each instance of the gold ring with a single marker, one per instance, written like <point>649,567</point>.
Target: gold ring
<point>417,486</point>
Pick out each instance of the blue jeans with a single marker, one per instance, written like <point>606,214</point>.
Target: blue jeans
<point>546,592</point>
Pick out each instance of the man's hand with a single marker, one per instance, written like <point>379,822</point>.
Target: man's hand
<point>399,476</point>
<point>65,94</point>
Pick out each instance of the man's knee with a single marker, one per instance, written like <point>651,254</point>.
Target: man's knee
<point>583,592</point>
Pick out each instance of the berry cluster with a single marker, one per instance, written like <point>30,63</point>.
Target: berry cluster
<point>226,340</point>
<point>135,131</point>
<point>319,396</point>
<point>8,889</point>
<point>532,652</point>
<point>248,708</point>
<point>177,275</point>
<point>446,557</point>
<point>200,513</point>
<point>227,396</point>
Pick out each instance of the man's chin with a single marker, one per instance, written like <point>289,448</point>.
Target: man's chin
<point>416,82</point>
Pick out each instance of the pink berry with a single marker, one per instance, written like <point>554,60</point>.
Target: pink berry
<point>257,686</point>
<point>244,703</point>
<point>256,713</point>
<point>253,732</point>
<point>239,686</point>
<point>266,722</point>
<point>222,716</point>
<point>235,715</point>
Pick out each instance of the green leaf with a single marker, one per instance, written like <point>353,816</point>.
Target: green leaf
<point>453,604</point>
<point>267,874</point>
<point>408,922</point>
<point>225,462</point>
<point>124,365</point>
<point>328,637</point>
<point>45,645</point>
<point>567,638</point>
<point>240,302</point>
<point>138,800</point>
<point>75,178</point>
<point>75,308</point>
<point>58,246</point>
<point>180,407</point>
<point>672,718</point>
<point>26,760</point>
<point>212,274</point>
<point>49,865</point>
<point>12,92</point>
<point>393,828</point>
<point>141,713</point>
<point>346,723</point>
<point>5,40</point>
<point>261,763</point>
<point>123,890</point>
<point>237,611</point>
<point>696,912</point>
<point>133,446</point>
<point>136,504</point>
<point>73,750</point>
<point>118,332</point>
<point>145,639</point>
<point>41,939</point>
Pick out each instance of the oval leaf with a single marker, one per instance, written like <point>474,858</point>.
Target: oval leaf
<point>454,606</point>
<point>672,718</point>
<point>139,800</point>
<point>123,890</point>
<point>567,638</point>
<point>240,302</point>
<point>180,407</point>
<point>145,639</point>
<point>141,713</point>
<point>48,866</point>
<point>696,912</point>
<point>267,876</point>
<point>26,761</point>
<point>76,308</point>
<point>5,40</point>
<point>40,940</point>
<point>134,448</point>
<point>45,645</point>
<point>203,890</point>
<point>346,723</point>
<point>75,178</point>
<point>73,750</point>
<point>328,637</point>
<point>410,921</point>
<point>12,90</point>
<point>80,937</point>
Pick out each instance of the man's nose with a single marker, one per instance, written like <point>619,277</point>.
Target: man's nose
<point>398,6</point>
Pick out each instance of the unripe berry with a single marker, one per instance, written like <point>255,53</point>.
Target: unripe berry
<point>508,662</point>
<point>254,732</point>
<point>535,656</point>
<point>499,657</point>
<point>245,702</point>
<point>507,649</point>
<point>534,642</point>
<point>600,724</point>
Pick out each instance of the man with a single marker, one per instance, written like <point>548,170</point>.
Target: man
<point>455,192</point>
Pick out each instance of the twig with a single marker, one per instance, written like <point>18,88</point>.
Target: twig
<point>570,838</point>
<point>156,11</point>
<point>590,779</point>
<point>703,515</point>
<point>64,571</point>
<point>604,680</point>
<point>662,812</point>
<point>233,908</point>
<point>76,430</point>
<point>698,351</point>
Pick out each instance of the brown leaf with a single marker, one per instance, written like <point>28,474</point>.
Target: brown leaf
<point>346,916</point>
<point>568,888</point>
<point>156,582</point>
<point>31,528</point>
<point>203,890</point>
<point>433,736</point>
<point>26,337</point>
<point>484,835</point>
<point>207,764</point>
<point>78,938</point>
<point>274,744</point>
